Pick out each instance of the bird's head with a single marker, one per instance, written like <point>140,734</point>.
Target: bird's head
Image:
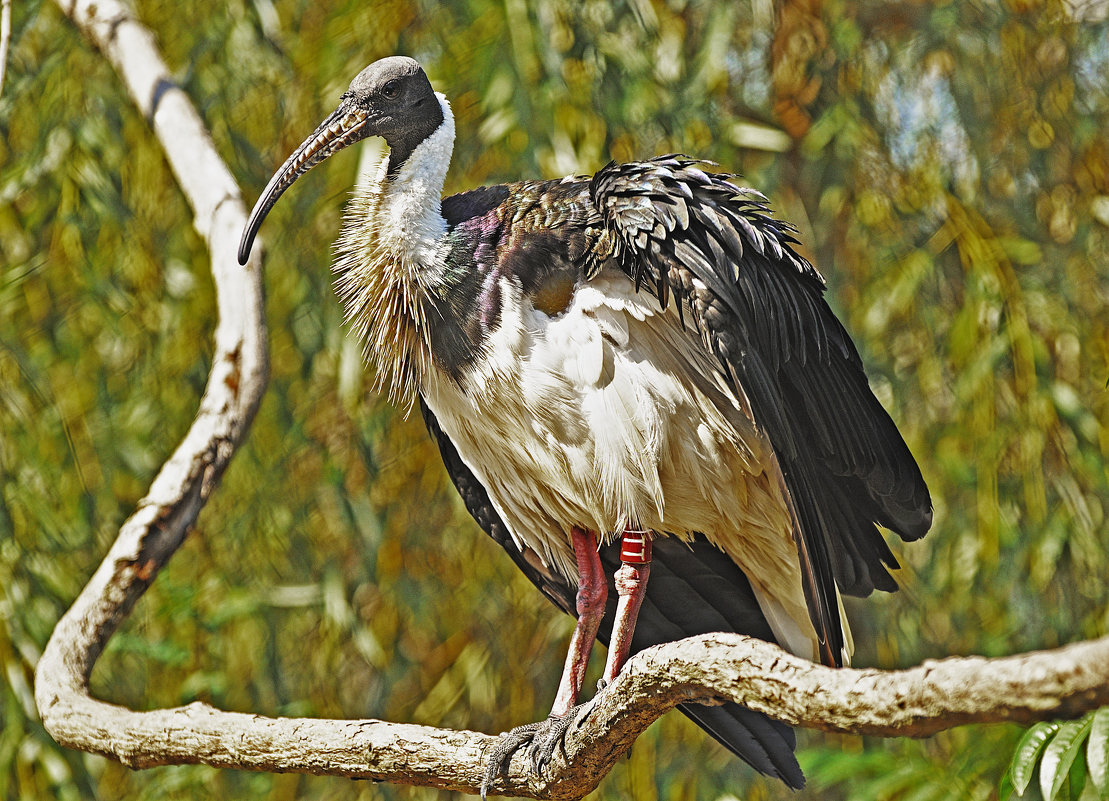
<point>392,98</point>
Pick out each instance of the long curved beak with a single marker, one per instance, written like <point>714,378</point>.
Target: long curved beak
<point>344,126</point>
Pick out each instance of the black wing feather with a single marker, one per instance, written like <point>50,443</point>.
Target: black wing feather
<point>760,307</point>
<point>694,589</point>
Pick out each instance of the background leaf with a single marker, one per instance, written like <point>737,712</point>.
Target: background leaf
<point>1059,755</point>
<point>1097,752</point>
<point>1027,753</point>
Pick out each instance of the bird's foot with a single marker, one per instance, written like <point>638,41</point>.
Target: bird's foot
<point>541,740</point>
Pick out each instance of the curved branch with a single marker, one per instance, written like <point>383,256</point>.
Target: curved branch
<point>706,669</point>
<point>235,385</point>
<point>710,669</point>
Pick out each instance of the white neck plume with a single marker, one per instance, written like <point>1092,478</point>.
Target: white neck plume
<point>389,255</point>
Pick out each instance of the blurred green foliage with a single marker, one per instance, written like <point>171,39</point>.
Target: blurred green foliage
<point>946,163</point>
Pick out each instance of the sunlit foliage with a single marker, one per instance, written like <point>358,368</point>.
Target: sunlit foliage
<point>947,165</point>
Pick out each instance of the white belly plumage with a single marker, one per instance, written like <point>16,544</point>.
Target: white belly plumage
<point>610,415</point>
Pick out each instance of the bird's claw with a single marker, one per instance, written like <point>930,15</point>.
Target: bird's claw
<point>541,739</point>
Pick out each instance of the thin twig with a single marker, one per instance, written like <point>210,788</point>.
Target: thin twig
<point>5,39</point>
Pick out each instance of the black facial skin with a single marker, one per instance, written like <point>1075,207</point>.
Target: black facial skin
<point>402,105</point>
<point>392,98</point>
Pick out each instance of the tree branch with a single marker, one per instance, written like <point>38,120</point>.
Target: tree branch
<point>5,38</point>
<point>706,669</point>
<point>234,389</point>
<point>711,668</point>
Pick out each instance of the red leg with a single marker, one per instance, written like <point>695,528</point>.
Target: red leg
<point>631,584</point>
<point>592,595</point>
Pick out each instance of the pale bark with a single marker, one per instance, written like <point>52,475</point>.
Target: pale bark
<point>5,38</point>
<point>707,669</point>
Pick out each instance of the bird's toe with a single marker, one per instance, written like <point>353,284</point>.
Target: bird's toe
<point>540,739</point>
<point>509,743</point>
<point>549,736</point>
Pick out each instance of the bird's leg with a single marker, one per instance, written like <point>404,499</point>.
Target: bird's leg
<point>542,737</point>
<point>631,585</point>
<point>591,598</point>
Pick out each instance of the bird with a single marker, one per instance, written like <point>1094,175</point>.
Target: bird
<point>637,387</point>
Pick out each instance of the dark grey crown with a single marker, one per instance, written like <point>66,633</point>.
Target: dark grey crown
<point>403,107</point>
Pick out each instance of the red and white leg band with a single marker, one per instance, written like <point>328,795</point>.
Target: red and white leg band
<point>635,548</point>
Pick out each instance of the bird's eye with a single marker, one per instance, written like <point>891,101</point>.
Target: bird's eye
<point>389,89</point>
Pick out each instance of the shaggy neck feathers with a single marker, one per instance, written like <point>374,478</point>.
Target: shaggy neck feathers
<point>389,259</point>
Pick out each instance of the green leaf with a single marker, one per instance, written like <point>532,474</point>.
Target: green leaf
<point>1059,755</point>
<point>1097,753</point>
<point>1028,749</point>
<point>1076,777</point>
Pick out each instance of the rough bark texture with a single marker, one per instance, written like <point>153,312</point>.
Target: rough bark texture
<point>234,389</point>
<point>708,669</point>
